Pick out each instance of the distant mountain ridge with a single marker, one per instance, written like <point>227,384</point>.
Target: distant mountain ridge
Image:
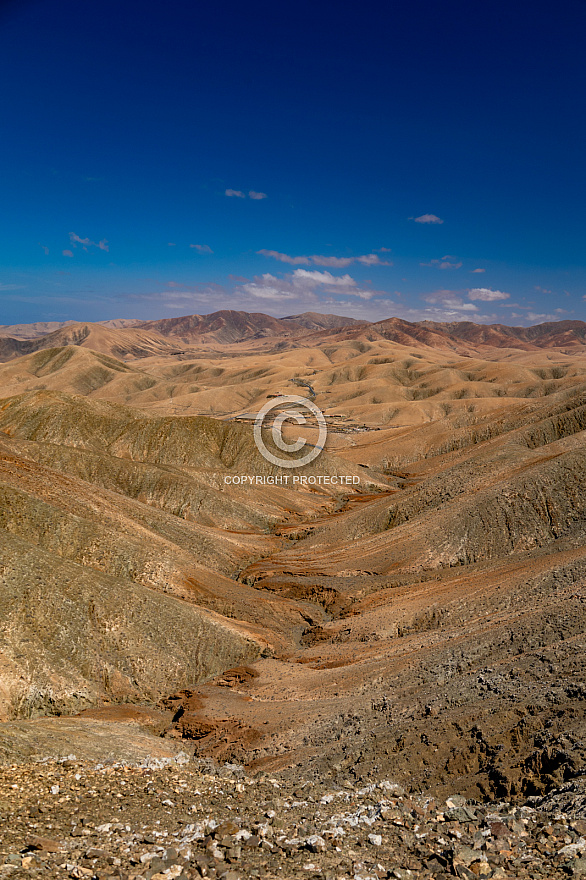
<point>120,342</point>
<point>43,328</point>
<point>131,338</point>
<point>229,326</point>
<point>225,326</point>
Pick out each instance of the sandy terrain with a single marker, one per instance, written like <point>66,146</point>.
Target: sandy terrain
<point>426,621</point>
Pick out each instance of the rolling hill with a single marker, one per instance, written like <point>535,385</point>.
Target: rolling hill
<point>409,624</point>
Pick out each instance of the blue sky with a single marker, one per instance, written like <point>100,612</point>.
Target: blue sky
<point>422,159</point>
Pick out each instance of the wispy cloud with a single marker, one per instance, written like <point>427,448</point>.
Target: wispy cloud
<point>252,194</point>
<point>44,248</point>
<point>304,284</point>
<point>322,260</point>
<point>185,296</point>
<point>373,260</point>
<point>325,278</point>
<point>11,286</point>
<point>486,295</point>
<point>449,299</point>
<point>67,253</point>
<point>333,262</point>
<point>446,262</point>
<point>202,248</point>
<point>304,289</point>
<point>538,319</point>
<point>477,271</point>
<point>285,258</point>
<point>171,244</point>
<point>86,243</point>
<point>427,218</point>
<point>267,286</point>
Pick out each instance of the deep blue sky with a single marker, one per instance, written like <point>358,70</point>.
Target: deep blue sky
<point>356,127</point>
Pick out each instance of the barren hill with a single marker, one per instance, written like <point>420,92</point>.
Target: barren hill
<point>227,327</point>
<point>410,624</point>
<point>315,321</point>
<point>32,331</point>
<point>220,327</point>
<point>43,328</point>
<point>359,378</point>
<point>233,330</point>
<point>119,341</point>
<point>557,334</point>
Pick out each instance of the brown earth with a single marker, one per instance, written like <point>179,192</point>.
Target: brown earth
<point>428,624</point>
<point>162,817</point>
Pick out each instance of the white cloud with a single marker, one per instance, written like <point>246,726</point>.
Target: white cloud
<point>268,286</point>
<point>238,194</point>
<point>324,278</point>
<point>321,260</point>
<point>427,218</point>
<point>446,262</point>
<point>67,253</point>
<point>372,260</point>
<point>539,319</point>
<point>186,296</point>
<point>202,248</point>
<point>449,300</point>
<point>295,293</point>
<point>86,243</point>
<point>171,244</point>
<point>334,283</point>
<point>303,286</point>
<point>366,294</point>
<point>75,239</point>
<point>334,262</point>
<point>11,286</point>
<point>284,258</point>
<point>477,271</point>
<point>486,295</point>
<point>262,291</point>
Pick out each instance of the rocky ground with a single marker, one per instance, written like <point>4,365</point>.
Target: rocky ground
<point>394,673</point>
<point>179,818</point>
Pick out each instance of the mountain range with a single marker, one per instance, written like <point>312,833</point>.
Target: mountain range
<point>423,618</point>
<point>135,338</point>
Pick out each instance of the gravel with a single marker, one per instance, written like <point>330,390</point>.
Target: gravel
<point>177,818</point>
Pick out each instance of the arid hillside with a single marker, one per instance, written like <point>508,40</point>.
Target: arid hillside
<point>358,377</point>
<point>424,617</point>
